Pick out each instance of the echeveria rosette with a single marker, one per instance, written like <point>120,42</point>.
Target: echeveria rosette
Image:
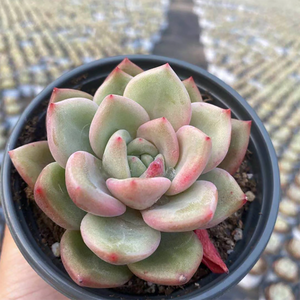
<point>131,173</point>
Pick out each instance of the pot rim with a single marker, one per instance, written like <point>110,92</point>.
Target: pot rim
<point>56,280</point>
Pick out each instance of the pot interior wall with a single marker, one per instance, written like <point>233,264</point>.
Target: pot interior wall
<point>253,219</point>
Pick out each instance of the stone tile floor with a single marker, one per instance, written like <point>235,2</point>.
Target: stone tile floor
<point>253,46</point>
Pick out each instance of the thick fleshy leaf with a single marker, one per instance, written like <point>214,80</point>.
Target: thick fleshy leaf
<point>114,83</point>
<point>129,67</point>
<point>156,168</point>
<point>211,256</point>
<point>230,196</point>
<point>192,89</point>
<point>147,159</point>
<point>195,149</point>
<point>174,262</point>
<point>114,160</point>
<point>68,126</point>
<point>87,269</point>
<point>114,113</point>
<point>162,94</point>
<point>120,240</point>
<point>136,166</point>
<point>240,135</point>
<point>87,188</point>
<point>141,146</point>
<point>161,133</point>
<point>30,160</point>
<point>216,123</point>
<point>63,94</point>
<point>138,193</point>
<point>51,195</point>
<point>187,211</point>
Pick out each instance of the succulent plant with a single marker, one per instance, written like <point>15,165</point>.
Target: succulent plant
<point>131,172</point>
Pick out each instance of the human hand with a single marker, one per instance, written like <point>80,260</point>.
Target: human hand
<point>18,279</point>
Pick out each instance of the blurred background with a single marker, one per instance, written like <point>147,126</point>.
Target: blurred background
<point>254,46</point>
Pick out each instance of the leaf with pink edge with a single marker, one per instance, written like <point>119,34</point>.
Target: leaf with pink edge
<point>87,269</point>
<point>63,94</point>
<point>51,195</point>
<point>129,67</point>
<point>114,161</point>
<point>216,123</point>
<point>136,166</point>
<point>195,149</point>
<point>161,133</point>
<point>174,262</point>
<point>87,188</point>
<point>162,94</point>
<point>30,160</point>
<point>141,146</point>
<point>138,193</point>
<point>115,83</point>
<point>120,240</point>
<point>192,89</point>
<point>156,168</point>
<point>240,135</point>
<point>230,196</point>
<point>114,113</point>
<point>68,126</point>
<point>186,211</point>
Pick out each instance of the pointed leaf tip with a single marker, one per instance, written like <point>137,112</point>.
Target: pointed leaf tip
<point>63,94</point>
<point>192,89</point>
<point>129,67</point>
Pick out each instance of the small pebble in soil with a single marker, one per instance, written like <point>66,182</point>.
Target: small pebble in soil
<point>237,234</point>
<point>250,196</point>
<point>55,249</point>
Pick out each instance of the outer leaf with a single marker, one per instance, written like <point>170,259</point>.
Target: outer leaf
<point>50,194</point>
<point>156,168</point>
<point>138,193</point>
<point>63,94</point>
<point>68,125</point>
<point>141,146</point>
<point>195,149</point>
<point>162,94</point>
<point>30,159</point>
<point>114,113</point>
<point>87,188</point>
<point>146,159</point>
<point>120,240</point>
<point>192,89</point>
<point>216,123</point>
<point>174,262</point>
<point>211,256</point>
<point>115,83</point>
<point>115,161</point>
<point>187,211</point>
<point>238,146</point>
<point>137,168</point>
<point>87,269</point>
<point>161,133</point>
<point>129,67</point>
<point>230,196</point>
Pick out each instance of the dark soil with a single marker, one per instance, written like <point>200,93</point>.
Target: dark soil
<point>223,235</point>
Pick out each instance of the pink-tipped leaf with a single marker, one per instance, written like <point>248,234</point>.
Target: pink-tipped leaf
<point>138,193</point>
<point>230,196</point>
<point>162,94</point>
<point>216,123</point>
<point>114,113</point>
<point>129,67</point>
<point>30,160</point>
<point>186,211</point>
<point>156,168</point>
<point>51,195</point>
<point>63,94</point>
<point>87,269</point>
<point>174,262</point>
<point>87,188</point>
<point>240,135</point>
<point>195,150</point>
<point>192,89</point>
<point>120,240</point>
<point>68,126</point>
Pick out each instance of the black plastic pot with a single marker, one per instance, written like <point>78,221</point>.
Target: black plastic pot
<point>259,219</point>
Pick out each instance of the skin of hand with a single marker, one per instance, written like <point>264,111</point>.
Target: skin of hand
<point>18,280</point>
